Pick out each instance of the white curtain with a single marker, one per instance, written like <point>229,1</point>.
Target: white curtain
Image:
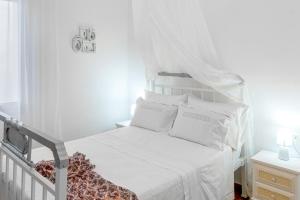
<point>39,69</point>
<point>9,54</point>
<point>173,37</point>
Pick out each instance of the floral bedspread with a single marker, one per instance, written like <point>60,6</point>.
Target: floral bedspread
<point>83,182</point>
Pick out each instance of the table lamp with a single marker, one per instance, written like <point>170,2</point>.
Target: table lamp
<point>284,140</point>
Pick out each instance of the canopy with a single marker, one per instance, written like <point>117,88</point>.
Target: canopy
<point>173,37</point>
<point>39,70</point>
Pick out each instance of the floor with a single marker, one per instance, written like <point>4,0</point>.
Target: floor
<point>238,191</point>
<point>238,197</point>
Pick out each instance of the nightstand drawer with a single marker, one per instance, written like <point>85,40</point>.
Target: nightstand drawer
<point>275,178</point>
<point>264,192</point>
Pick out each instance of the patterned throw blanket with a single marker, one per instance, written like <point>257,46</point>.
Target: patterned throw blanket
<point>83,182</point>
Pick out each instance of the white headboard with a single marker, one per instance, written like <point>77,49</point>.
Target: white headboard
<point>179,83</point>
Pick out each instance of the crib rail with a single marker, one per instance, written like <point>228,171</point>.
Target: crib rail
<point>18,178</point>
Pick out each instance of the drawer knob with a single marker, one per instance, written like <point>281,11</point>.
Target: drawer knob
<point>273,196</point>
<point>274,179</point>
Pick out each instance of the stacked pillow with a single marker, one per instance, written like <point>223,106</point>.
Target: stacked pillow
<point>202,126</point>
<point>236,111</point>
<point>154,116</point>
<point>157,112</point>
<point>190,118</point>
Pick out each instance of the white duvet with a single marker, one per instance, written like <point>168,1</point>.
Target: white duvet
<point>156,166</point>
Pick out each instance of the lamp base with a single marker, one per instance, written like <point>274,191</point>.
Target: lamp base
<point>284,154</point>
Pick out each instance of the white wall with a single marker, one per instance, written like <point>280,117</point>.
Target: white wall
<point>260,39</point>
<point>94,87</point>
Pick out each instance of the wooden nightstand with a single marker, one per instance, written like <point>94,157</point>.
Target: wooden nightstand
<point>274,179</point>
<point>123,124</point>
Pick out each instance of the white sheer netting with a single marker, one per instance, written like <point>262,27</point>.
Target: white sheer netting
<point>39,70</point>
<point>173,37</point>
<point>9,54</point>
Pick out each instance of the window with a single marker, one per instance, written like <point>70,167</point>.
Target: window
<point>9,55</point>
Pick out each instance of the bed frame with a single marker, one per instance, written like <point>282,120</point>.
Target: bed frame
<point>187,85</point>
<point>16,149</point>
<point>15,154</point>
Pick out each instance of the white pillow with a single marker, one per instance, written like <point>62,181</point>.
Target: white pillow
<point>201,126</point>
<point>235,110</point>
<point>165,99</point>
<point>154,116</point>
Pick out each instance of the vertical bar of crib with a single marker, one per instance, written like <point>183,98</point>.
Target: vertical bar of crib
<point>44,193</point>
<point>61,184</point>
<point>32,188</point>
<point>1,163</point>
<point>14,180</point>
<point>7,168</point>
<point>6,178</point>
<point>30,149</point>
<point>23,185</point>
<point>1,166</point>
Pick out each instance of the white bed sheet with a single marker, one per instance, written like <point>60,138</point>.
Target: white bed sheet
<point>236,157</point>
<point>156,166</point>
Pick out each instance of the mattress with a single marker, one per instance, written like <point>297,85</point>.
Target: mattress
<point>156,166</point>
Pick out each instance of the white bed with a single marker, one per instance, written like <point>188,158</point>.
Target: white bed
<point>155,166</point>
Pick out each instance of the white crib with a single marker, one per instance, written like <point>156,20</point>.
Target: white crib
<point>16,166</point>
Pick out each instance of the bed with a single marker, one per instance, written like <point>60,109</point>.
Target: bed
<point>153,165</point>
